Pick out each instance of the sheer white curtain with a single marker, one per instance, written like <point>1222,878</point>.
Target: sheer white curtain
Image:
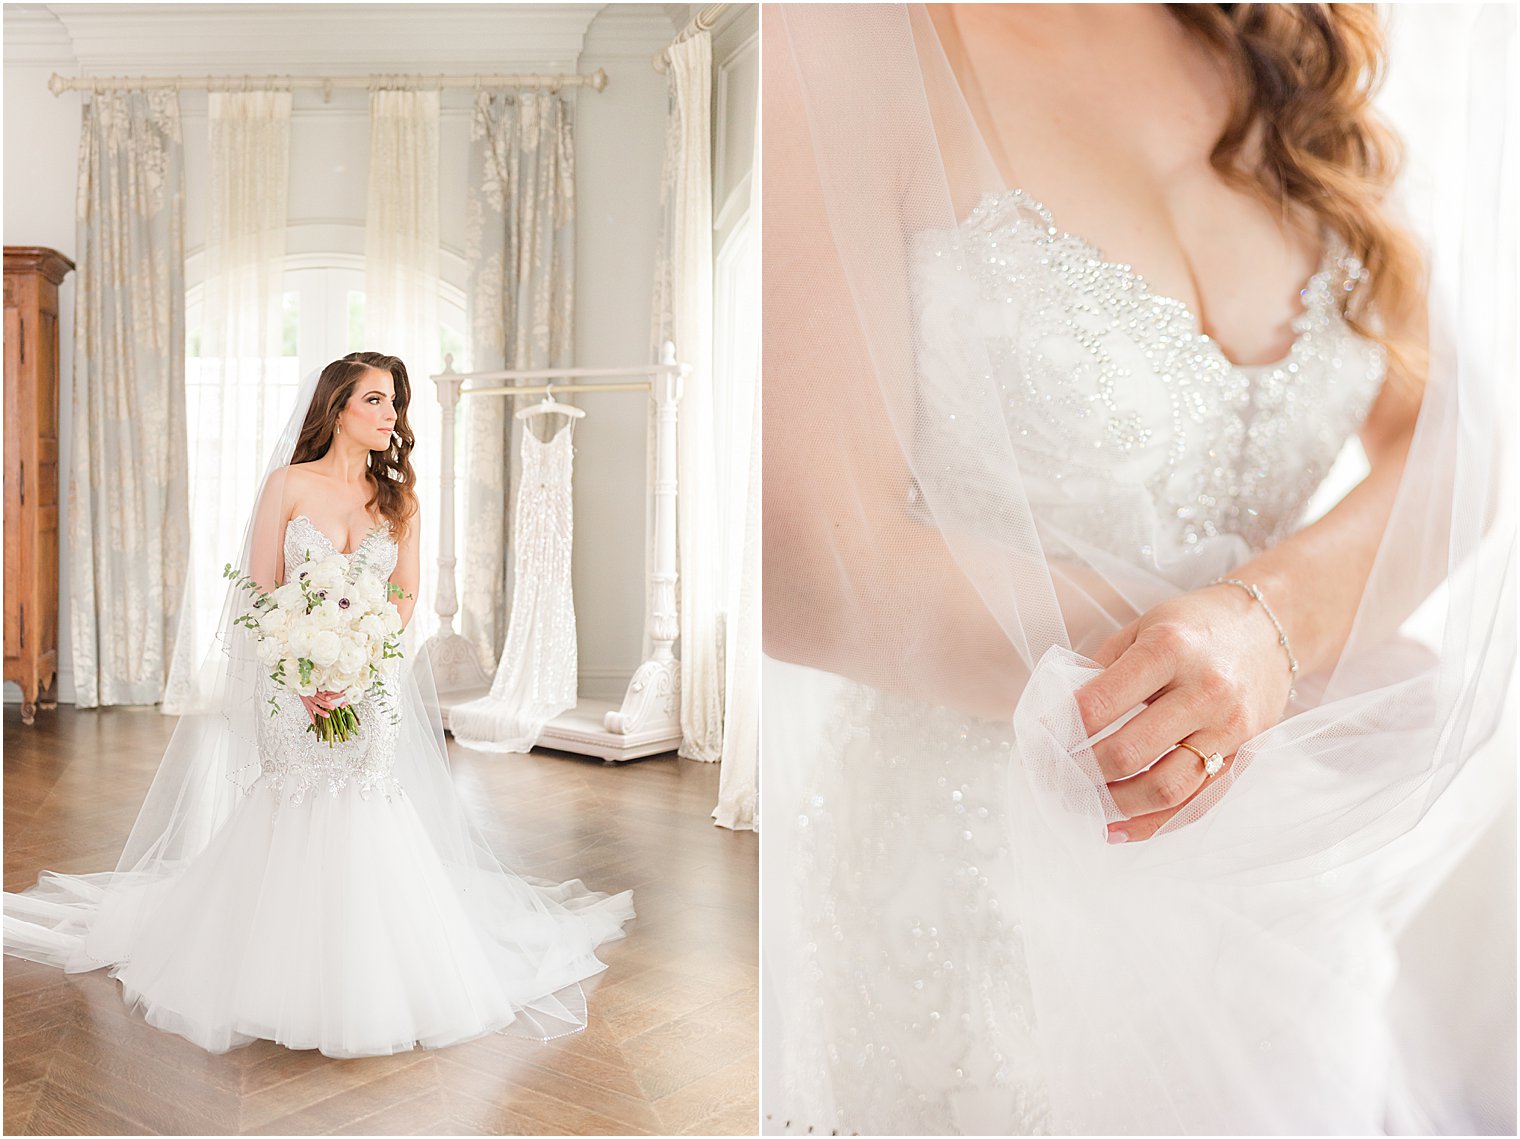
<point>401,290</point>
<point>238,391</point>
<point>683,313</point>
<point>737,368</point>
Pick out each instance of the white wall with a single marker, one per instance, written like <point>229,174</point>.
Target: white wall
<point>619,136</point>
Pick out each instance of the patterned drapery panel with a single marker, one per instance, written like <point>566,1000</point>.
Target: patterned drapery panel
<point>520,248</point>
<point>128,493</point>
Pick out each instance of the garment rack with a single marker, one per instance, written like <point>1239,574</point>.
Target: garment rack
<point>648,720</point>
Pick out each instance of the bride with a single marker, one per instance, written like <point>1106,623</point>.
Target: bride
<point>329,896</point>
<point>1116,747</point>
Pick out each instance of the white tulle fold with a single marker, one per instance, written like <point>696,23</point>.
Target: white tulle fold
<point>1236,972</point>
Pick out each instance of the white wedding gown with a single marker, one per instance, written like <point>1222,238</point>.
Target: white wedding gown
<point>911,1009</point>
<point>536,677</point>
<point>322,915</point>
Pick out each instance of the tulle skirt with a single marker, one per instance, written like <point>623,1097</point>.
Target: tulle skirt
<point>330,924</point>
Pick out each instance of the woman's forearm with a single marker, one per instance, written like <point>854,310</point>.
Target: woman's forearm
<point>405,606</point>
<point>1314,579</point>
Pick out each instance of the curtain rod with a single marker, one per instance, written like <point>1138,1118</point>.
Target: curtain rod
<point>58,84</point>
<point>701,22</point>
<point>547,389</point>
<point>448,372</point>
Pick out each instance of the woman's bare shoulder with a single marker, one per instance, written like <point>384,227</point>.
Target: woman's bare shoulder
<point>294,481</point>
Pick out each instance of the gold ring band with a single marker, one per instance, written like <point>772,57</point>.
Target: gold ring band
<point>1211,763</point>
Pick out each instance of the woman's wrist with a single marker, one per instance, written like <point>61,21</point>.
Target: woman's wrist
<point>1256,598</point>
<point>1282,591</point>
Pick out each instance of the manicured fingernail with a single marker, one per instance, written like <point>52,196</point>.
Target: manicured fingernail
<point>1118,836</point>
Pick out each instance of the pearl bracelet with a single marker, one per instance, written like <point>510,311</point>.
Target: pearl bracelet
<point>1282,637</point>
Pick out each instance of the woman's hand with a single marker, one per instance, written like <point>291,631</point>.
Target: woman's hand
<point>319,704</point>
<point>1212,673</point>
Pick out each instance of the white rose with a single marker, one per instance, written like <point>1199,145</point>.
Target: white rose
<point>325,647</point>
<point>288,596</point>
<point>269,651</point>
<point>376,650</point>
<point>371,589</point>
<point>298,642</point>
<point>392,619</point>
<point>334,564</point>
<point>353,657</point>
<point>273,622</point>
<point>354,694</point>
<point>371,625</point>
<point>307,689</point>
<point>326,617</point>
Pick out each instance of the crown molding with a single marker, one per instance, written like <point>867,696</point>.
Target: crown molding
<point>35,37</point>
<point>335,39</point>
<point>633,30</point>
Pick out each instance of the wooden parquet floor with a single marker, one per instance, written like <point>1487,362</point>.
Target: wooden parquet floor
<point>672,1043</point>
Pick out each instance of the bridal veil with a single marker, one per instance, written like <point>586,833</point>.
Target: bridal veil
<point>1172,979</point>
<point>88,921</point>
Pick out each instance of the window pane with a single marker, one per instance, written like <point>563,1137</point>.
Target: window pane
<point>355,321</point>
<point>451,340</point>
<point>291,314</point>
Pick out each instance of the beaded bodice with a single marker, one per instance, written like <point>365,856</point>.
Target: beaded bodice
<point>293,761</point>
<point>1132,433</point>
<point>1109,387</point>
<point>376,549</point>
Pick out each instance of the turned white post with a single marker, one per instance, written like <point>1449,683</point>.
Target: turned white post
<point>455,665</point>
<point>652,703</point>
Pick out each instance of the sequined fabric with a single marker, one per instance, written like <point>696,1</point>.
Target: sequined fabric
<point>1109,388</point>
<point>914,959</point>
<point>1126,423</point>
<point>536,676</point>
<point>294,763</point>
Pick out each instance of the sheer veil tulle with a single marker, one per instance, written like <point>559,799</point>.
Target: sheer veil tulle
<point>87,921</point>
<point>1230,974</point>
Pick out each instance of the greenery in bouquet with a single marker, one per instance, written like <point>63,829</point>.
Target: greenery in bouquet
<point>329,628</point>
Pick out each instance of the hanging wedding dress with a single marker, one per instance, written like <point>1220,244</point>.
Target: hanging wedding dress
<point>536,678</point>
<point>330,897</point>
<point>1013,424</point>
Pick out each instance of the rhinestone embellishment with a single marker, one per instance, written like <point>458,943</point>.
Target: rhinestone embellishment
<point>1107,386</point>
<point>294,765</point>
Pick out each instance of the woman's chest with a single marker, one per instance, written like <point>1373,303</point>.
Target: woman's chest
<point>1110,391</point>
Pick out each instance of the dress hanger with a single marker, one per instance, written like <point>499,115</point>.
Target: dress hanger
<point>548,406</point>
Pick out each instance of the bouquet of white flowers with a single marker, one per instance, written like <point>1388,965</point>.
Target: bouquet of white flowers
<point>326,629</point>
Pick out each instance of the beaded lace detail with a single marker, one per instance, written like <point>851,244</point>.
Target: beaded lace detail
<point>914,974</point>
<point>1107,385</point>
<point>292,761</point>
<point>913,954</point>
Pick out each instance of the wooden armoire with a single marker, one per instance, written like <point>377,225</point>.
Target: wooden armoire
<point>32,277</point>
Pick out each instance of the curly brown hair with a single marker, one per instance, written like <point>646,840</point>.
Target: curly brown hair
<point>1301,129</point>
<point>390,471</point>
